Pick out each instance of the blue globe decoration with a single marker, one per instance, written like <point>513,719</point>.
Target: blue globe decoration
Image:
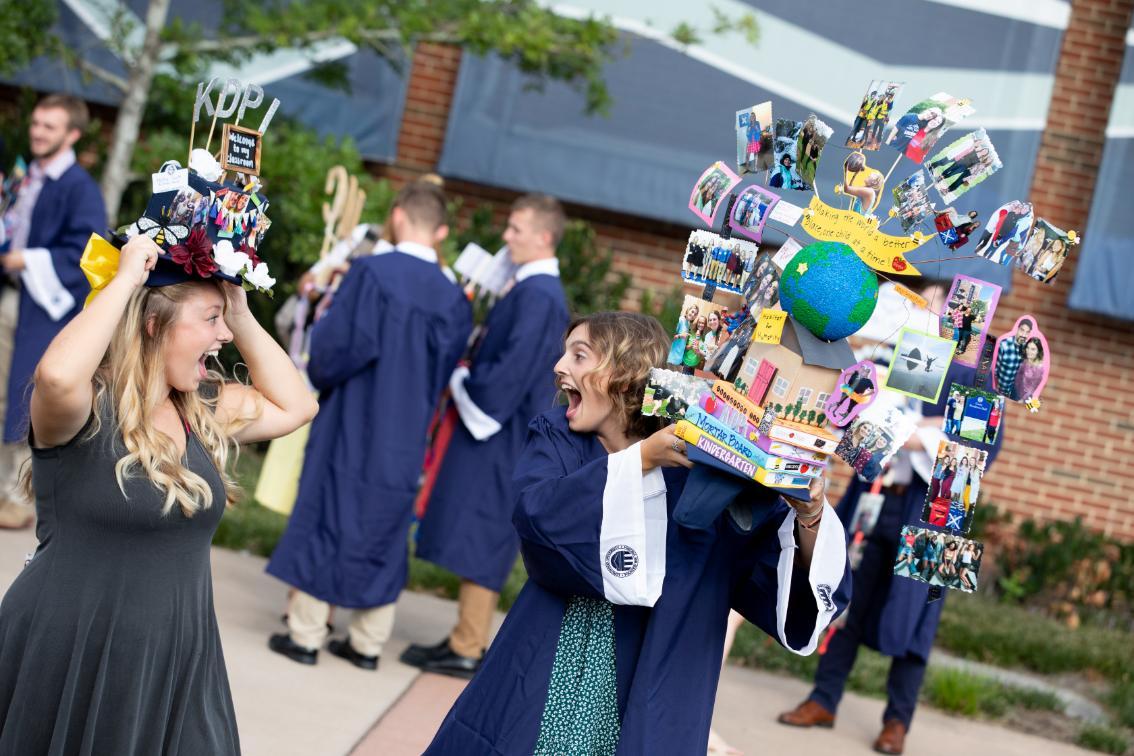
<point>829,290</point>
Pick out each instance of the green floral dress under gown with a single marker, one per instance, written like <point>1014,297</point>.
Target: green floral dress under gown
<point>108,639</point>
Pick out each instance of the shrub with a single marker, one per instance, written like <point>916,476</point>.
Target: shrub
<point>1009,636</point>
<point>1102,738</point>
<point>1069,571</point>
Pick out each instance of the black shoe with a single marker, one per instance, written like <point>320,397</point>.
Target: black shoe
<point>282,643</point>
<point>453,665</point>
<point>417,655</point>
<point>343,650</point>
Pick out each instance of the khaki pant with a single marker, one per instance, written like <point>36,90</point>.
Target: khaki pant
<point>368,632</point>
<point>12,456</point>
<point>475,607</point>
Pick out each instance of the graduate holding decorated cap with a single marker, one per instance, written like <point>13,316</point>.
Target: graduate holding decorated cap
<point>108,638</point>
<point>614,644</point>
<point>380,357</point>
<point>467,527</point>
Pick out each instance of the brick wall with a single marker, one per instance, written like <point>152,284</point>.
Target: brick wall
<point>1071,459</point>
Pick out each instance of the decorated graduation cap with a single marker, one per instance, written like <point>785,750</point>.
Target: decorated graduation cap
<point>208,218</point>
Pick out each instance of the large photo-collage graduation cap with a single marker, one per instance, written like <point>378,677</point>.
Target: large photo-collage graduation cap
<point>827,288</point>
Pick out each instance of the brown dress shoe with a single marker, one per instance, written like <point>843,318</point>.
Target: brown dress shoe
<point>892,739</point>
<point>807,714</point>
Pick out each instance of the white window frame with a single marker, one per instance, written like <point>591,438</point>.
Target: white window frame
<point>778,389</point>
<point>804,396</point>
<point>822,399</point>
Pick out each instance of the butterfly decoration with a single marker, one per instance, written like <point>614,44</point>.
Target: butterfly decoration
<point>162,232</point>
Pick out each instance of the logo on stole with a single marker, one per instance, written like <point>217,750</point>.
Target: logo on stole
<point>621,560</point>
<point>824,592</point>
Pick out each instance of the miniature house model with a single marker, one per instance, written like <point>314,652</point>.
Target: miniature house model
<point>800,369</point>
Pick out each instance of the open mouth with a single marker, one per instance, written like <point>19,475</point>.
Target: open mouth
<point>574,399</point>
<point>202,369</point>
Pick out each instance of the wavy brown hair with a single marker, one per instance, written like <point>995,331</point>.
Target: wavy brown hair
<point>628,345</point>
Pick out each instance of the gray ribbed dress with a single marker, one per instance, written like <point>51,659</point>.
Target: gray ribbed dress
<point>108,638</point>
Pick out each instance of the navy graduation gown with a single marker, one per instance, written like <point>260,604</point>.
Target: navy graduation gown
<point>668,656</point>
<point>68,210</point>
<point>380,357</point>
<point>898,619</point>
<point>467,527</point>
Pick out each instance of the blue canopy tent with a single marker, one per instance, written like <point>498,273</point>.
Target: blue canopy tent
<point>673,106</point>
<point>1104,275</point>
<point>370,112</point>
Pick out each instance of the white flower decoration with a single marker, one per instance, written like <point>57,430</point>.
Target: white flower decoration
<point>259,277</point>
<point>205,165</point>
<point>229,260</point>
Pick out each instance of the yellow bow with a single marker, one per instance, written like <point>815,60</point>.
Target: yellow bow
<point>99,263</point>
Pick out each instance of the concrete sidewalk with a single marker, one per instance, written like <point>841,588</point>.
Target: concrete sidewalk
<point>333,709</point>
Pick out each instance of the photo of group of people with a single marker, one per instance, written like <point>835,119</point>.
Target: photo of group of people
<point>938,559</point>
<point>1045,251</point>
<point>917,132</point>
<point>873,115</point>
<point>750,211</point>
<point>754,138</point>
<point>669,393</point>
<point>955,229</point>
<point>712,258</point>
<point>700,330</point>
<point>711,191</point>
<point>862,183</point>
<point>1022,361</point>
<point>973,414</point>
<point>1006,233</point>
<point>762,287</point>
<point>954,487</point>
<point>919,365</point>
<point>963,164</point>
<point>911,201</point>
<point>880,430</point>
<point>967,316</point>
<point>189,208</point>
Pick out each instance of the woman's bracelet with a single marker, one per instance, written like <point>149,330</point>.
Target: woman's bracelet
<point>812,518</point>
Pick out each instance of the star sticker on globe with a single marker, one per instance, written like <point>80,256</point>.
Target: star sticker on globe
<point>801,268</point>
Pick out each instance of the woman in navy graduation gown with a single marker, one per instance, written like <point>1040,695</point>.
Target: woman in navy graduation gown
<point>614,644</point>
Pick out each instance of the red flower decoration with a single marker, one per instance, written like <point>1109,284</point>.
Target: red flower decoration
<point>196,254</point>
<point>246,248</point>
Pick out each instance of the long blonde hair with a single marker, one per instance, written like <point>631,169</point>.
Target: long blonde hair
<point>130,380</point>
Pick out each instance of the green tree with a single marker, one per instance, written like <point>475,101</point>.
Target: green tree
<point>810,417</point>
<point>980,307</point>
<point>666,308</point>
<point>21,32</point>
<point>541,43</point>
<point>586,271</point>
<point>821,419</point>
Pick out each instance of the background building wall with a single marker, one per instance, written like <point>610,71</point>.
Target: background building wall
<point>1073,458</point>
